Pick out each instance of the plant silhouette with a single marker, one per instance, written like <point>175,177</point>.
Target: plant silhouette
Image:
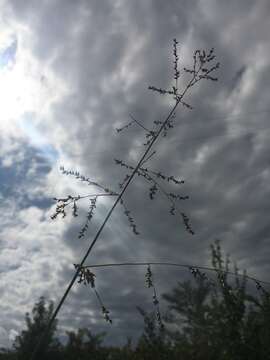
<point>203,67</point>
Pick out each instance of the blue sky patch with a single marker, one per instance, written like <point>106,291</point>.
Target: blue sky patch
<point>37,139</point>
<point>8,54</point>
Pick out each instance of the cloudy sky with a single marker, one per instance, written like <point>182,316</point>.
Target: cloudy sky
<point>71,72</point>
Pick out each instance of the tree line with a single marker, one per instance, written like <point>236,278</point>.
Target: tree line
<point>221,319</point>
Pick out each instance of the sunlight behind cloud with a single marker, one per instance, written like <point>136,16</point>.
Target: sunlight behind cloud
<point>22,89</point>
<point>17,93</point>
<point>27,86</point>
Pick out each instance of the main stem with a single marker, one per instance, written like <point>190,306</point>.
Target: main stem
<point>44,335</point>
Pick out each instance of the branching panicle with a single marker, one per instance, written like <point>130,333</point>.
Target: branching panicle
<point>124,127</point>
<point>178,197</point>
<point>161,91</point>
<point>136,122</point>
<point>186,222</point>
<point>86,179</point>
<point>197,273</point>
<point>148,277</point>
<point>106,315</point>
<point>75,209</point>
<point>90,214</point>
<point>157,174</point>
<point>62,203</point>
<point>149,157</point>
<point>152,191</point>
<point>121,185</point>
<point>150,283</point>
<point>104,310</point>
<point>199,71</point>
<point>260,288</point>
<point>93,200</point>
<point>188,106</point>
<point>85,275</point>
<point>149,136</point>
<point>172,209</point>
<point>155,186</point>
<point>175,66</point>
<point>131,221</point>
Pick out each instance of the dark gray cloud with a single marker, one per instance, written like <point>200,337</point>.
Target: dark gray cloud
<point>238,76</point>
<point>106,55</point>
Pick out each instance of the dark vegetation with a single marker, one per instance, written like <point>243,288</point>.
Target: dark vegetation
<point>208,318</point>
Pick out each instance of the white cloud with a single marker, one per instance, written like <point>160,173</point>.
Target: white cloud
<point>12,335</point>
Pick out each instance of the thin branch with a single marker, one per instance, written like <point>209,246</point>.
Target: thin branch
<point>131,221</point>
<point>173,207</point>
<point>162,263</point>
<point>149,157</point>
<point>158,185</point>
<point>95,195</point>
<point>105,311</point>
<point>151,284</point>
<point>138,123</point>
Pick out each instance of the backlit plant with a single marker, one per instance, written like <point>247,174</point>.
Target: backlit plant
<point>202,68</point>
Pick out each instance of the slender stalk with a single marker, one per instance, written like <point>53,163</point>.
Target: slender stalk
<point>163,263</point>
<point>149,157</point>
<point>138,123</point>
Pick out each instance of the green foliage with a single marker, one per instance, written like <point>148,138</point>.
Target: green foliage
<point>153,343</point>
<point>7,354</point>
<point>219,319</point>
<point>35,326</point>
<point>84,345</point>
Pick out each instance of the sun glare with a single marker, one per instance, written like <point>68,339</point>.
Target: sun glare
<point>28,88</point>
<point>17,93</point>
